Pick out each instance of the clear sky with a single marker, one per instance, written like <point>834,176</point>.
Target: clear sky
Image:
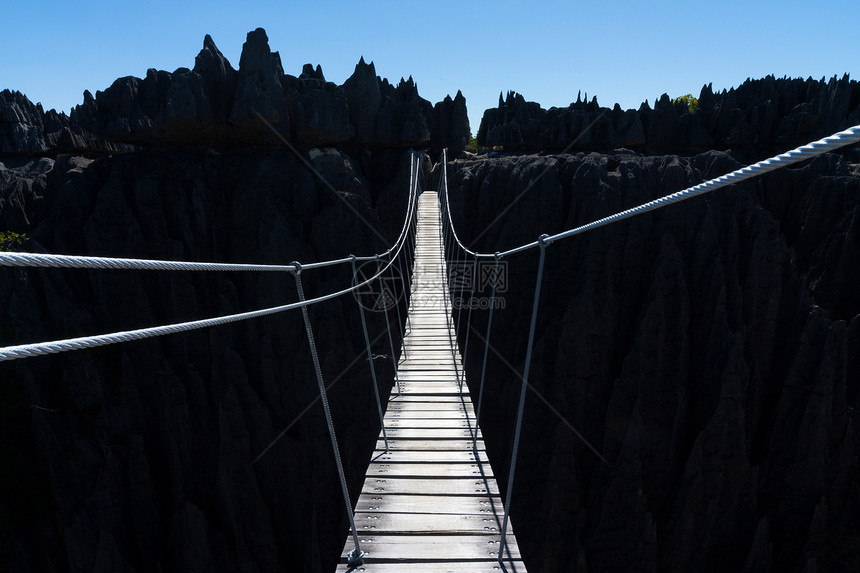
<point>624,52</point>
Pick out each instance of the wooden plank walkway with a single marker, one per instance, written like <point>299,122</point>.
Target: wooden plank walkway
<point>431,503</point>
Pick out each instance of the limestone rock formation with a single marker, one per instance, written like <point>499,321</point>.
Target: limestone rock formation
<point>219,79</point>
<point>319,109</point>
<point>450,127</point>
<point>214,104</point>
<point>759,117</point>
<point>26,129</point>
<point>20,124</point>
<point>363,97</point>
<point>137,457</point>
<point>404,116</point>
<point>259,89</point>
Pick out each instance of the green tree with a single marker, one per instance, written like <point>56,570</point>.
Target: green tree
<point>472,146</point>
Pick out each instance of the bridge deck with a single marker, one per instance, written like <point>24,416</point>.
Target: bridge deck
<point>431,504</point>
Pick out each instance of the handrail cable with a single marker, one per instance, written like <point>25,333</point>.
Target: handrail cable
<point>43,348</point>
<point>42,260</point>
<point>53,347</point>
<point>815,148</point>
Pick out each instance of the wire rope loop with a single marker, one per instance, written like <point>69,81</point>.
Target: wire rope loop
<point>297,268</point>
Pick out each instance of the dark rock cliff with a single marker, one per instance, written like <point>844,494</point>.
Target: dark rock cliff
<point>137,457</point>
<point>759,117</point>
<point>707,350</point>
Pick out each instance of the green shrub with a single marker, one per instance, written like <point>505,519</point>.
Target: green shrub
<point>11,241</point>
<point>692,103</point>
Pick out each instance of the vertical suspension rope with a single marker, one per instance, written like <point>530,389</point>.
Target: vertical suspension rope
<point>408,286</point>
<point>388,327</point>
<point>443,229</point>
<point>469,320</point>
<point>459,303</point>
<point>370,358</point>
<point>400,330</point>
<point>449,325</point>
<point>355,557</point>
<point>486,352</point>
<point>408,250</point>
<point>521,409</point>
<point>449,288</point>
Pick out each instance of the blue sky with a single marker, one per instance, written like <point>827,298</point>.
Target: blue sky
<point>623,52</point>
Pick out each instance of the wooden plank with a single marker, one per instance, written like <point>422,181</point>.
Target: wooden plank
<point>432,383</point>
<point>407,390</point>
<point>428,470</point>
<point>453,394</point>
<point>400,405</point>
<point>431,434</point>
<point>435,567</point>
<point>420,418</point>
<point>381,548</point>
<point>427,445</point>
<point>426,486</point>
<point>419,411</point>
<point>414,403</point>
<point>464,455</point>
<point>418,398</point>
<point>486,505</point>
<point>443,364</point>
<point>430,376</point>
<point>420,369</point>
<point>421,415</point>
<point>412,361</point>
<point>425,355</point>
<point>428,524</point>
<point>428,423</point>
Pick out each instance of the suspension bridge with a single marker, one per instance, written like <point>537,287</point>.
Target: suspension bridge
<point>430,501</point>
